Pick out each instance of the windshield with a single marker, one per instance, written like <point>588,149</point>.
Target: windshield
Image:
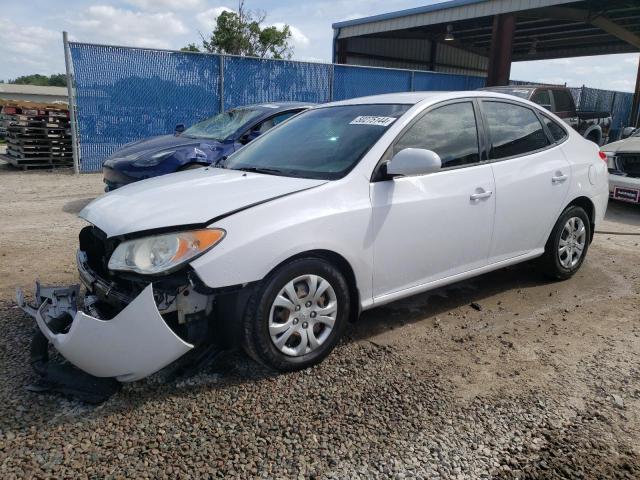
<point>222,125</point>
<point>324,143</point>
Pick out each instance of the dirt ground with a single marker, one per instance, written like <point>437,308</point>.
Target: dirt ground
<point>536,379</point>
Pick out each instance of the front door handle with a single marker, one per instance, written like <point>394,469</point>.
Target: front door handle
<point>481,195</point>
<point>559,178</point>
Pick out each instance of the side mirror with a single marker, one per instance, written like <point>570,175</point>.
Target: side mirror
<point>627,132</point>
<point>414,161</point>
<point>180,128</point>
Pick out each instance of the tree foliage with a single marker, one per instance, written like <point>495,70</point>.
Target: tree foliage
<point>243,33</point>
<point>55,80</point>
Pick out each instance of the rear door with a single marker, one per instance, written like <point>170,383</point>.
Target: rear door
<point>532,178</point>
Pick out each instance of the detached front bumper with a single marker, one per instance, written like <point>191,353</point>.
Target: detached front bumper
<point>134,344</point>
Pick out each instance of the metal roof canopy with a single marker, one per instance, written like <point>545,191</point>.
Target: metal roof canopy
<point>554,28</point>
<point>501,31</point>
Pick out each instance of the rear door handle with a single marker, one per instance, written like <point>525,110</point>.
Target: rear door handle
<point>559,178</point>
<point>481,195</point>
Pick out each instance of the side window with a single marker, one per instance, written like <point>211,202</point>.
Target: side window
<point>514,130</point>
<point>542,98</point>
<point>557,132</point>
<point>269,123</point>
<point>564,101</point>
<point>450,131</point>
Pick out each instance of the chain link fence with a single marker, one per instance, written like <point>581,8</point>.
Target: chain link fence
<point>124,94</point>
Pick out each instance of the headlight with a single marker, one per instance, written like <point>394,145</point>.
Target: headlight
<point>161,253</point>
<point>611,160</point>
<point>154,159</point>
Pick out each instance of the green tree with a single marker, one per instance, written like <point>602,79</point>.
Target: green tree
<point>192,47</point>
<point>243,33</point>
<point>56,80</point>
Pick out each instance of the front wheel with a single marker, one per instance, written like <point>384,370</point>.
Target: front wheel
<point>298,315</point>
<point>568,243</point>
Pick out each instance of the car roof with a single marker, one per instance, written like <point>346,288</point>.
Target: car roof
<point>413,98</point>
<point>276,106</point>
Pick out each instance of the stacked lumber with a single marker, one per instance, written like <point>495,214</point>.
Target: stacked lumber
<point>38,135</point>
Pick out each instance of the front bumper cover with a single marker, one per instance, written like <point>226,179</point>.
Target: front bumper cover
<point>134,344</point>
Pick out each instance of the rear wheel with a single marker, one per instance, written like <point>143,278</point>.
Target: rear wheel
<point>295,320</point>
<point>568,244</point>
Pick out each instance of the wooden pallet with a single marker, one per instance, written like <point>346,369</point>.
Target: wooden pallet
<point>46,162</point>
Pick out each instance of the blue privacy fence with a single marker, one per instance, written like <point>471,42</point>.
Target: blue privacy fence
<point>124,94</point>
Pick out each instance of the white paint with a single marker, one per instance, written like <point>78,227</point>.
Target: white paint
<point>131,346</point>
<point>400,236</point>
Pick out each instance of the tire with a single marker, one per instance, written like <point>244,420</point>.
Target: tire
<point>563,265</point>
<point>296,320</point>
<point>191,166</point>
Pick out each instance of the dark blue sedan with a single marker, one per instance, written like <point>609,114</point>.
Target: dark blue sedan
<point>205,143</point>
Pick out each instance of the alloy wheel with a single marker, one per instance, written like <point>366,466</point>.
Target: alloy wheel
<point>573,240</point>
<point>303,315</point>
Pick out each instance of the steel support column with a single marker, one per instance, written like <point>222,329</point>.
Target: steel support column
<point>504,27</point>
<point>634,120</point>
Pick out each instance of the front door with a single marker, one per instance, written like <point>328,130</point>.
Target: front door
<point>430,227</point>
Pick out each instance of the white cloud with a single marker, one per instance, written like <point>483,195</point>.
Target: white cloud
<point>163,5</point>
<point>29,45</point>
<point>298,38</point>
<point>104,23</point>
<point>207,19</point>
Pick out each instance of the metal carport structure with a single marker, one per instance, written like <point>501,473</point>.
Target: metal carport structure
<point>483,37</point>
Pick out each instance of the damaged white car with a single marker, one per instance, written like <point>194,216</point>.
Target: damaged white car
<point>342,208</point>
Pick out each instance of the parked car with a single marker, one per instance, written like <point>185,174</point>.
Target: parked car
<point>345,207</point>
<point>624,166</point>
<point>592,125</point>
<point>200,145</point>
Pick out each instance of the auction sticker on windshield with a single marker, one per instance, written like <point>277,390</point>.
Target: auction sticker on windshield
<point>372,120</point>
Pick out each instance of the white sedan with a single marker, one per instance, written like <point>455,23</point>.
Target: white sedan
<point>342,208</point>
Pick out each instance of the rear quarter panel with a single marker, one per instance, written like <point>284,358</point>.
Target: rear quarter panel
<point>589,175</point>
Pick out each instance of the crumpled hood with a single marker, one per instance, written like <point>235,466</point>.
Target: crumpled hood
<point>630,145</point>
<point>186,198</point>
<point>153,145</point>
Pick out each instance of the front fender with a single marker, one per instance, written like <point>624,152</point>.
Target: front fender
<point>330,218</point>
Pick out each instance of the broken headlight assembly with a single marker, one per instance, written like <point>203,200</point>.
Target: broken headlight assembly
<point>163,253</point>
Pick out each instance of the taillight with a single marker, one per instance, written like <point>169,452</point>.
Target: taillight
<point>603,156</point>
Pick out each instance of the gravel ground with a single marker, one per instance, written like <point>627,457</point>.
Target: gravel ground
<point>504,376</point>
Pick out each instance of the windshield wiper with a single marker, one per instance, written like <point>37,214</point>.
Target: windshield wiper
<point>266,171</point>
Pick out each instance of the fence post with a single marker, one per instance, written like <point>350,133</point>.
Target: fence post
<point>221,58</point>
<point>72,105</point>
<point>331,75</point>
<point>413,77</point>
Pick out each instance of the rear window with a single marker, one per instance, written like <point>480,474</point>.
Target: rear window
<point>542,97</point>
<point>514,130</point>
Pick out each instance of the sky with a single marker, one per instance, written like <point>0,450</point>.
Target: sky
<point>31,33</point>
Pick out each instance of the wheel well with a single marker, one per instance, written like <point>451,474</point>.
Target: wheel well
<point>344,266</point>
<point>587,205</point>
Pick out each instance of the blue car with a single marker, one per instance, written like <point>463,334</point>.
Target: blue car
<point>205,143</point>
